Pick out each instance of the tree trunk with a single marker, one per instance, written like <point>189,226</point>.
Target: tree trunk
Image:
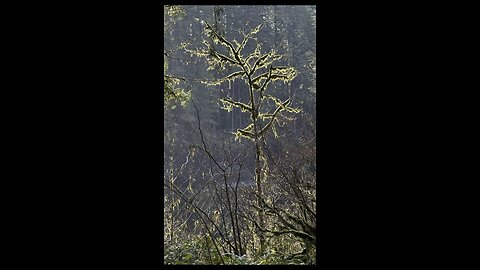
<point>259,181</point>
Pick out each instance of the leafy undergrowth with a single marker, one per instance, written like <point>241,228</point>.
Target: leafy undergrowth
<point>195,253</point>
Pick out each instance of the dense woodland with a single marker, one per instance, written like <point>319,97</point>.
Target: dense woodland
<point>240,134</point>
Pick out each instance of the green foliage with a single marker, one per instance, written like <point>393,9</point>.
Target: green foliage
<point>174,11</point>
<point>196,253</point>
<point>181,253</point>
<point>172,94</point>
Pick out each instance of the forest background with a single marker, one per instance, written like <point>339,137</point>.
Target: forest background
<point>227,201</point>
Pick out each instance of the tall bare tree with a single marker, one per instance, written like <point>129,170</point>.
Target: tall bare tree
<point>266,111</point>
